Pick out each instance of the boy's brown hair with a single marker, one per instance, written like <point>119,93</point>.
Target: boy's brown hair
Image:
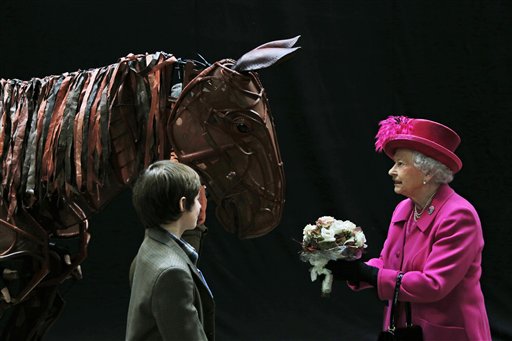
<point>158,190</point>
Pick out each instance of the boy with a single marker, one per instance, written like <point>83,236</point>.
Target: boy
<point>169,298</point>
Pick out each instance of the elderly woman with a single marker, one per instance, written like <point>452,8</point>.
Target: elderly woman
<point>434,238</point>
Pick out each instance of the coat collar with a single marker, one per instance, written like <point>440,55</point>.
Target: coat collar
<point>404,210</point>
<point>162,236</point>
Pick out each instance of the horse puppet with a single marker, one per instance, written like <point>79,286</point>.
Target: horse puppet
<point>70,143</point>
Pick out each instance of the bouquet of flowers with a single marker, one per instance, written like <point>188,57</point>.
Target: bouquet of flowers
<point>330,239</point>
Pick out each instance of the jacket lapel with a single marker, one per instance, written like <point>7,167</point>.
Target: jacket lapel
<point>443,194</point>
<point>402,212</point>
<point>164,237</point>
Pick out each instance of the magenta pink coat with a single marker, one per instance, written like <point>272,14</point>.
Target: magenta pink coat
<point>442,266</point>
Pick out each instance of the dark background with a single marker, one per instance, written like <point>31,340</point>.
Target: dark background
<point>360,61</point>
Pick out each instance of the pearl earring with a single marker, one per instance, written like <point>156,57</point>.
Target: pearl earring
<point>424,181</point>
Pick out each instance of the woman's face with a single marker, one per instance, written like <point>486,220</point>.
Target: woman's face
<point>407,178</point>
<point>189,217</point>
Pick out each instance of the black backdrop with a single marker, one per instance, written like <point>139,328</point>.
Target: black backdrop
<point>360,61</point>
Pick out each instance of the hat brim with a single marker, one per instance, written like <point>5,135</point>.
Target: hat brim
<point>426,147</point>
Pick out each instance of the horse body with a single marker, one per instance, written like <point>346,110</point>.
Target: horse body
<point>70,143</point>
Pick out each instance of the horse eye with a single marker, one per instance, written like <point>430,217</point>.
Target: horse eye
<point>242,127</point>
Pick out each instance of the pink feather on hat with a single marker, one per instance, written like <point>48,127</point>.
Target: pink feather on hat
<point>390,127</point>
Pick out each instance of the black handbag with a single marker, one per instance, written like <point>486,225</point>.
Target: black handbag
<point>410,332</point>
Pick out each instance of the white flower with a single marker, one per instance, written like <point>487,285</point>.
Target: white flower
<point>308,229</point>
<point>325,221</point>
<point>337,227</point>
<point>360,238</point>
<point>330,239</point>
<point>327,235</point>
<point>349,225</point>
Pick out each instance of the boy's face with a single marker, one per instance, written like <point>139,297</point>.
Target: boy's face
<point>189,218</point>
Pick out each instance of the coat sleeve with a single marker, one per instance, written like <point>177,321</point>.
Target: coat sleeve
<point>456,243</point>
<point>173,306</point>
<point>376,262</point>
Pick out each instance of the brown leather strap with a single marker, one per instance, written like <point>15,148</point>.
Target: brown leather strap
<point>48,165</point>
<point>10,105</point>
<point>28,181</point>
<point>153,79</point>
<point>34,179</point>
<point>124,132</point>
<point>78,128</point>
<point>43,146</point>
<point>65,143</point>
<point>93,140</point>
<point>4,105</point>
<point>14,158</point>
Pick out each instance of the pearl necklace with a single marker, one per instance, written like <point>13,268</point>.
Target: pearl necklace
<point>417,215</point>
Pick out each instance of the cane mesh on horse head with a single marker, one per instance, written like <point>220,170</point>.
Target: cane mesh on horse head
<point>222,126</point>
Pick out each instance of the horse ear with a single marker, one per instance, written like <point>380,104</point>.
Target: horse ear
<point>266,55</point>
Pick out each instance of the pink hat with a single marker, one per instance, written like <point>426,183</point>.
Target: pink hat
<point>427,137</point>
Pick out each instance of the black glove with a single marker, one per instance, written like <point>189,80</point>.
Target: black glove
<point>353,271</point>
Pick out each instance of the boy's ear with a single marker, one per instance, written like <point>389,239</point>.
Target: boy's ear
<point>182,204</point>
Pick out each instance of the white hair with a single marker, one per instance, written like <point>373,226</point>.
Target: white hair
<point>441,174</point>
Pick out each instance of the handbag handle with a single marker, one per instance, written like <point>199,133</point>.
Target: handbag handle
<point>408,315</point>
<point>394,306</point>
<point>392,326</point>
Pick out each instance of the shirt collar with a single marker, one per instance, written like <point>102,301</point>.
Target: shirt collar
<point>189,249</point>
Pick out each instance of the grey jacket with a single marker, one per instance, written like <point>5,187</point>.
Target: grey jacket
<point>169,300</point>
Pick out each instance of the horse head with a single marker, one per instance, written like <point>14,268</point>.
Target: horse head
<point>222,127</point>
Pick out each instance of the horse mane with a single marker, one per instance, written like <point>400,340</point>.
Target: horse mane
<point>82,134</point>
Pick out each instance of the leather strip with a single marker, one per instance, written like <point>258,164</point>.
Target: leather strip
<point>78,128</point>
<point>64,147</point>
<point>28,180</point>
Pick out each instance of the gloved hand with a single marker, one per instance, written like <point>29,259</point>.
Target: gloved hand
<point>353,271</point>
